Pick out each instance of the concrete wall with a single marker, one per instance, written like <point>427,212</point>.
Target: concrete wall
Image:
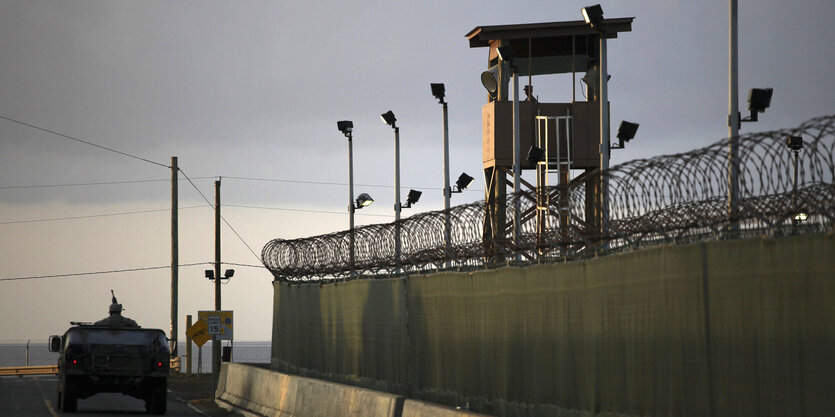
<point>262,392</point>
<point>726,328</point>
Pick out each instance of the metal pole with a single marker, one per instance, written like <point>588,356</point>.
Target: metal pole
<point>351,199</point>
<point>175,261</point>
<point>397,198</point>
<point>517,167</point>
<point>794,182</point>
<point>447,191</point>
<point>604,137</point>
<point>733,119</point>
<point>188,346</point>
<point>215,342</point>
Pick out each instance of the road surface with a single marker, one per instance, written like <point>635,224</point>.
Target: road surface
<point>35,396</point>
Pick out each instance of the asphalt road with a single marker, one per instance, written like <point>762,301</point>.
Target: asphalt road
<point>35,396</point>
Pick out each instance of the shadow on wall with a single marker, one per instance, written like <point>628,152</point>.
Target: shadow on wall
<point>715,328</point>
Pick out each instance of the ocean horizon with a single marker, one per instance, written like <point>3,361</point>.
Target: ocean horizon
<point>15,354</point>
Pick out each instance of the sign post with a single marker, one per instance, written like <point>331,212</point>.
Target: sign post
<point>219,325</point>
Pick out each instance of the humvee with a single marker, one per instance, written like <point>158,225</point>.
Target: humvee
<point>112,356</point>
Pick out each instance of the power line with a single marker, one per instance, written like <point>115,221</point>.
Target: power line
<point>93,216</point>
<point>245,265</point>
<point>17,187</point>
<point>221,217</point>
<point>148,268</point>
<point>302,210</point>
<point>337,183</point>
<point>83,141</point>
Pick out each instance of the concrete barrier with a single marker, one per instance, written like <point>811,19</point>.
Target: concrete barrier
<point>262,392</point>
<point>412,408</point>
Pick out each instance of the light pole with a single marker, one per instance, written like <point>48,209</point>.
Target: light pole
<point>795,144</point>
<point>215,276</point>
<point>389,119</point>
<point>733,118</point>
<point>347,127</point>
<point>438,90</point>
<point>758,100</point>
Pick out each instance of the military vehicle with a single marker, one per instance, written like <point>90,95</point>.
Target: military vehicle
<point>112,355</point>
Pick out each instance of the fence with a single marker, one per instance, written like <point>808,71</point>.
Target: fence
<point>678,198</point>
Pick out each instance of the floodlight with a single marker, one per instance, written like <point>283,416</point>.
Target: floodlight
<point>388,118</point>
<point>800,217</point>
<point>506,53</point>
<point>794,143</point>
<point>438,91</point>
<point>364,200</point>
<point>759,99</point>
<point>229,273</point>
<point>593,15</point>
<point>464,181</point>
<point>627,130</point>
<point>210,274</point>
<point>488,80</point>
<point>412,198</point>
<point>536,155</point>
<point>345,126</point>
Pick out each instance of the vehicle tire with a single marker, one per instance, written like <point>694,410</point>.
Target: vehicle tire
<point>157,401</point>
<point>68,401</point>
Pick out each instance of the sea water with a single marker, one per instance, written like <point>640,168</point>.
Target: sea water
<point>15,354</point>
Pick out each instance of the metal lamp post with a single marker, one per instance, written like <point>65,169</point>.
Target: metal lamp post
<point>347,128</point>
<point>438,90</point>
<point>389,119</point>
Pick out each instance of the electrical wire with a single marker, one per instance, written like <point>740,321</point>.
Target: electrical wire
<point>147,268</point>
<point>18,187</point>
<point>221,217</point>
<point>84,141</point>
<point>244,265</point>
<point>93,216</point>
<point>337,183</point>
<point>303,210</point>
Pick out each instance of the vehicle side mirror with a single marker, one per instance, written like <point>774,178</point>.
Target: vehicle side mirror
<point>54,343</point>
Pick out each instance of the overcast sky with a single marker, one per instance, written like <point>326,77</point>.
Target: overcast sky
<point>253,89</point>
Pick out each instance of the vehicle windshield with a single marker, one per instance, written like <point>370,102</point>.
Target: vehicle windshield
<point>97,336</point>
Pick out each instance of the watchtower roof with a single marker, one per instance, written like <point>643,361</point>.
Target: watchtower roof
<point>482,36</point>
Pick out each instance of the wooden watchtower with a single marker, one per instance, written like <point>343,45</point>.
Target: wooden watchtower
<point>572,134</point>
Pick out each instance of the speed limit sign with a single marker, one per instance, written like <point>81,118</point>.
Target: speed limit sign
<point>214,325</point>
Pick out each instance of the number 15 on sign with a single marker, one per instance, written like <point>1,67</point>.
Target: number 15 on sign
<point>214,325</point>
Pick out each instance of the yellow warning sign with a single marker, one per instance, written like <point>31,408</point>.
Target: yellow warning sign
<point>199,332</point>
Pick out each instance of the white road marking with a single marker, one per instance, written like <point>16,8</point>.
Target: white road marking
<point>48,403</point>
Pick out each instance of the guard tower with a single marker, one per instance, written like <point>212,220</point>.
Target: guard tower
<point>549,137</point>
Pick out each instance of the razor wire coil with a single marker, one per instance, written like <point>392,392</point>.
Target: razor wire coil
<point>678,198</point>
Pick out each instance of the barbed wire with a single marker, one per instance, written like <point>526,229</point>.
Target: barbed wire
<point>678,198</point>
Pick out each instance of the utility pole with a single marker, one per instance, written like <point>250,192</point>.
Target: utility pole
<point>175,257</point>
<point>215,342</point>
<point>733,118</point>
